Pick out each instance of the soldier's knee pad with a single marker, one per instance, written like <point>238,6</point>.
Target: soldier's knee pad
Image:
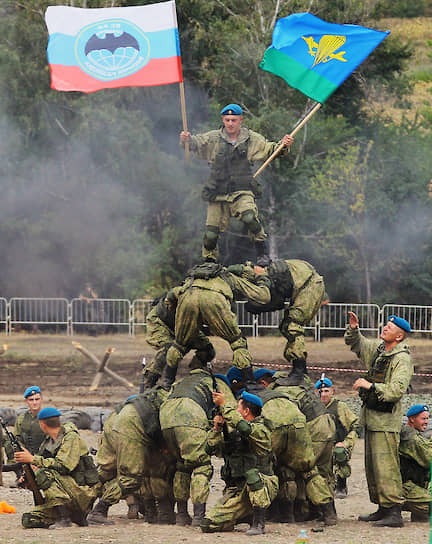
<point>253,479</point>
<point>211,236</point>
<point>30,522</point>
<point>250,220</point>
<point>239,343</point>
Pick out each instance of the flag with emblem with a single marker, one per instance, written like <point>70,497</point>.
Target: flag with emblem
<point>316,57</point>
<point>100,48</point>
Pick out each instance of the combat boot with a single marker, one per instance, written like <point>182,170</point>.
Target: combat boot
<point>99,514</point>
<point>328,511</point>
<point>392,517</point>
<point>62,518</point>
<point>133,507</point>
<point>272,513</point>
<point>341,488</point>
<point>199,513</point>
<point>182,518</point>
<point>375,516</point>
<point>258,522</point>
<point>79,518</point>
<point>296,376</point>
<point>286,511</point>
<point>168,377</point>
<point>148,510</point>
<point>262,256</point>
<point>420,517</point>
<point>166,514</point>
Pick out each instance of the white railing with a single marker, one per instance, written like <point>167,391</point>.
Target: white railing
<point>104,315</point>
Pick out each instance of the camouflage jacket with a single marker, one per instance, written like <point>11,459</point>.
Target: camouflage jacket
<point>232,287</point>
<point>396,381</point>
<point>415,455</point>
<point>63,454</point>
<point>347,425</point>
<point>206,145</point>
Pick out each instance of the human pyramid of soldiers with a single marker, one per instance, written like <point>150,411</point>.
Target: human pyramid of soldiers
<point>285,442</point>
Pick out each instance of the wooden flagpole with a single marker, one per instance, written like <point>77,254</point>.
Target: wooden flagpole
<point>296,129</point>
<point>183,109</point>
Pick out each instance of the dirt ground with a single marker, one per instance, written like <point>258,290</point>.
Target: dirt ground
<point>65,376</point>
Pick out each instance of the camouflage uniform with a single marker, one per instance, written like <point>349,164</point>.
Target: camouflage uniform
<point>184,419</point>
<point>28,433</point>
<point>347,431</point>
<point>304,303</point>
<point>67,476</point>
<point>383,421</point>
<point>160,335</point>
<point>318,477</point>
<point>208,301</point>
<point>231,190</point>
<point>415,453</point>
<point>248,471</point>
<point>133,459</point>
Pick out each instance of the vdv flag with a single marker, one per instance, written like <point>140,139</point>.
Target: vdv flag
<point>100,48</point>
<point>316,57</point>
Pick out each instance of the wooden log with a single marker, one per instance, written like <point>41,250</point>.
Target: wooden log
<point>97,362</point>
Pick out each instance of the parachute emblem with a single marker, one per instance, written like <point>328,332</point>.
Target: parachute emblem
<point>325,49</point>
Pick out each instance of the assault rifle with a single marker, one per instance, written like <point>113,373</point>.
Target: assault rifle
<point>217,410</point>
<point>29,475</point>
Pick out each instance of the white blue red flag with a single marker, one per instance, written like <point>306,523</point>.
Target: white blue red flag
<point>102,48</point>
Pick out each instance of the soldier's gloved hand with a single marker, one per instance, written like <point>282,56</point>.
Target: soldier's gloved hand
<point>236,269</point>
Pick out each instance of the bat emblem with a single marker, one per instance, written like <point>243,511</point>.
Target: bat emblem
<point>111,42</point>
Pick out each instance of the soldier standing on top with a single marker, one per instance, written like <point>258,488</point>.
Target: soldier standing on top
<point>231,190</point>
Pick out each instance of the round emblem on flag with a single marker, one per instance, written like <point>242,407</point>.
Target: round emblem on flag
<point>111,49</point>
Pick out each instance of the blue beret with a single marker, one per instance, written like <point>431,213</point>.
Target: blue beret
<point>248,397</point>
<point>32,390</point>
<point>223,378</point>
<point>234,374</point>
<point>400,322</point>
<point>326,382</point>
<point>45,413</point>
<point>262,372</point>
<point>131,397</point>
<point>417,409</point>
<point>231,109</point>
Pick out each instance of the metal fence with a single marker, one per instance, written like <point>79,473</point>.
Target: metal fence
<point>120,315</point>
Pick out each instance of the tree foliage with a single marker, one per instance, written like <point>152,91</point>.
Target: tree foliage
<point>95,187</point>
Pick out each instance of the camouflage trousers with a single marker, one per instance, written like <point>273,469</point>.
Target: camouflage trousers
<point>301,311</point>
<point>193,469</point>
<point>223,208</point>
<point>383,468</point>
<point>417,499</point>
<point>214,309</point>
<point>159,337</point>
<point>238,502</point>
<point>134,465</point>
<point>63,491</point>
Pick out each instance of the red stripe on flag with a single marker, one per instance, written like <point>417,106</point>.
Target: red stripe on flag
<point>156,72</point>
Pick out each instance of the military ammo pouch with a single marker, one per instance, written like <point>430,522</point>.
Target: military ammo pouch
<point>44,479</point>
<point>376,374</point>
<point>340,455</point>
<point>370,400</point>
<point>147,406</point>
<point>86,472</point>
<point>253,479</point>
